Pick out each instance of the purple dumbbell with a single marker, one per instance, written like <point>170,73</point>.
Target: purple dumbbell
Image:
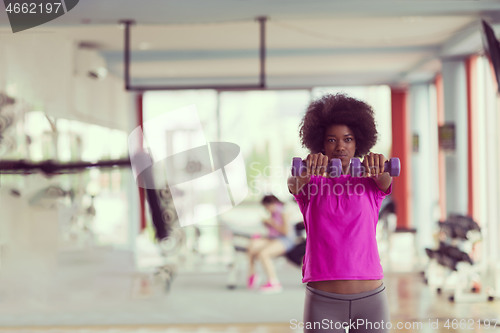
<point>393,166</point>
<point>334,168</point>
<point>355,167</point>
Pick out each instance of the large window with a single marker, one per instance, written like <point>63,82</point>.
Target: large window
<point>265,125</point>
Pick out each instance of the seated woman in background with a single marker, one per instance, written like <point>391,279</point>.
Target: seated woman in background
<point>277,243</point>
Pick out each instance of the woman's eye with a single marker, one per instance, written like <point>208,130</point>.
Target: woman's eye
<point>348,139</point>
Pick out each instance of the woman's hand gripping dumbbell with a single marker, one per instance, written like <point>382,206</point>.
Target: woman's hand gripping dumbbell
<point>314,164</point>
<point>373,165</point>
<point>318,164</point>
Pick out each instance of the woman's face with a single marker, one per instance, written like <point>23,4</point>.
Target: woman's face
<point>340,143</point>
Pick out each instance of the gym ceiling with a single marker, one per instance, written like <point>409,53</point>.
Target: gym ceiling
<point>308,43</point>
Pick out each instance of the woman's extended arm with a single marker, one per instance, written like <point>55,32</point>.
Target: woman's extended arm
<point>295,184</point>
<point>383,181</point>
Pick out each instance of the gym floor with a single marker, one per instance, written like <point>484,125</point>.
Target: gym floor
<point>201,303</point>
<point>412,303</point>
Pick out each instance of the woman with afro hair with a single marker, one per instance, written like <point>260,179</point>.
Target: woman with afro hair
<point>341,265</point>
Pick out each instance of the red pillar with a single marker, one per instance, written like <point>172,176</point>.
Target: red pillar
<point>401,147</point>
<point>471,69</point>
<point>142,194</point>
<point>441,160</point>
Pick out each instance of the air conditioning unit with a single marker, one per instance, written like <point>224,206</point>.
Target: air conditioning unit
<point>89,62</point>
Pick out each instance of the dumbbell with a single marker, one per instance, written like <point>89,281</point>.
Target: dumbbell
<point>334,168</point>
<point>392,166</point>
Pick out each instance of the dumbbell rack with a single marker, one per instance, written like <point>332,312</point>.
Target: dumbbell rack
<point>459,234</point>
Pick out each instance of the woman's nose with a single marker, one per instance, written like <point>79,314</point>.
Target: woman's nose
<point>339,146</point>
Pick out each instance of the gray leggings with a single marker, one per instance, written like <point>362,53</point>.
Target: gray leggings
<point>330,312</point>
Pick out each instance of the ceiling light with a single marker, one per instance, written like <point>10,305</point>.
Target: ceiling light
<point>99,73</point>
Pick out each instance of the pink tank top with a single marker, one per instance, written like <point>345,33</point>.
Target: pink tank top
<point>277,215</point>
<point>340,217</point>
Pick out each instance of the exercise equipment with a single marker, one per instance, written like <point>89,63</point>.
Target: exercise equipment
<point>449,256</point>
<point>50,167</point>
<point>458,236</point>
<point>392,166</point>
<point>169,235</point>
<point>334,167</point>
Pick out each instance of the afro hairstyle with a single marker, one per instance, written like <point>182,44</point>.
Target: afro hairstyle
<point>338,109</point>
